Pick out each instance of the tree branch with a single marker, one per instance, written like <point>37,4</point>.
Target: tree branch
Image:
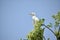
<point>49,29</point>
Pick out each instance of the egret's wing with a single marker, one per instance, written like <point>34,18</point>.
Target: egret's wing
<point>36,19</point>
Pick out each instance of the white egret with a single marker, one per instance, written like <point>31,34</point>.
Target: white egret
<point>34,18</point>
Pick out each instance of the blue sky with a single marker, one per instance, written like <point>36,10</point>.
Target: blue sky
<point>15,22</point>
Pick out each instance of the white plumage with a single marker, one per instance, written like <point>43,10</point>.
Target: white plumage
<point>34,18</point>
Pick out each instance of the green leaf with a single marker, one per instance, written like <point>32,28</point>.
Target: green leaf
<point>48,38</point>
<point>49,25</point>
<point>56,24</point>
<point>57,19</point>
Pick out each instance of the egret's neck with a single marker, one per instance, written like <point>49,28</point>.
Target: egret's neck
<point>33,16</point>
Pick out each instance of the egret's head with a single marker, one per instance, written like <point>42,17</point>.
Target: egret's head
<point>32,14</point>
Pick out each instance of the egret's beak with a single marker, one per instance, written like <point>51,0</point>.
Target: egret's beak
<point>30,14</point>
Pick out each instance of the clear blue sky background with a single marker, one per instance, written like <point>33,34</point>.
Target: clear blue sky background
<point>15,22</point>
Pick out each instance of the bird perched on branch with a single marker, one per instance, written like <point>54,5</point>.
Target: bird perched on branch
<point>34,18</point>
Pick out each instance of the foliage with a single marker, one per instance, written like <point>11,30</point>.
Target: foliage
<point>49,25</point>
<point>57,24</point>
<point>48,39</point>
<point>57,19</point>
<point>37,32</point>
